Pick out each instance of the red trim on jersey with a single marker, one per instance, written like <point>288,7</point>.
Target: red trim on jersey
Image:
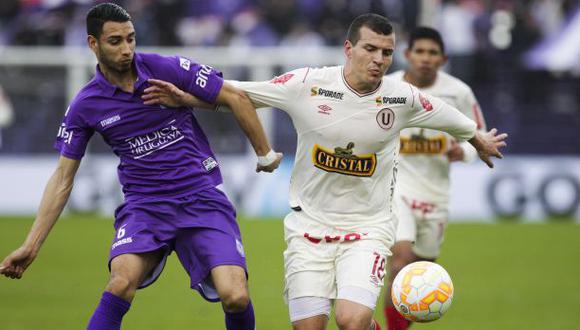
<point>478,116</point>
<point>306,74</point>
<point>354,90</point>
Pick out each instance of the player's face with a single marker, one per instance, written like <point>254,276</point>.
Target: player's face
<point>116,46</point>
<point>425,58</point>
<point>371,56</point>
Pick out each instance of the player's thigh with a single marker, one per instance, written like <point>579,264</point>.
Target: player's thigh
<point>360,271</point>
<point>430,233</point>
<point>201,250</point>
<point>309,269</point>
<point>406,220</point>
<point>135,268</point>
<point>142,229</point>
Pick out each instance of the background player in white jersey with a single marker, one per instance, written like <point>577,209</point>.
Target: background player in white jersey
<point>348,120</point>
<point>422,193</point>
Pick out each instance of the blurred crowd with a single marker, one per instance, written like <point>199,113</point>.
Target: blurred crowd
<point>487,27</point>
<point>507,50</point>
<point>286,22</point>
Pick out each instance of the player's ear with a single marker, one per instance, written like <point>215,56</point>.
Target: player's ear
<point>445,58</point>
<point>92,43</point>
<point>348,48</point>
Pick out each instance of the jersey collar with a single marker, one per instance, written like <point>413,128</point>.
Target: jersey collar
<point>354,90</point>
<point>110,89</point>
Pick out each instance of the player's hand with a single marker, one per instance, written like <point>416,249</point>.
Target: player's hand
<point>164,93</point>
<point>488,144</point>
<point>272,166</point>
<point>15,264</point>
<point>455,152</point>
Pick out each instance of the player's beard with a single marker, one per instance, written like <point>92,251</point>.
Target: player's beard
<point>119,68</point>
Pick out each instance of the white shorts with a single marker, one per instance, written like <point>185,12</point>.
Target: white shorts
<point>332,268</point>
<point>421,222</point>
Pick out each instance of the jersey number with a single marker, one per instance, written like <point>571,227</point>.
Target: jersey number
<point>379,266</point>
<point>121,232</point>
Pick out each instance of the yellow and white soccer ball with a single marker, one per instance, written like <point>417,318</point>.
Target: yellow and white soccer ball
<point>422,291</point>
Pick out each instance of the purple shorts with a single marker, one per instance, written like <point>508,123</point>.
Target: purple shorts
<point>200,228</point>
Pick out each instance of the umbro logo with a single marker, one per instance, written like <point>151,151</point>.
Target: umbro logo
<point>324,109</point>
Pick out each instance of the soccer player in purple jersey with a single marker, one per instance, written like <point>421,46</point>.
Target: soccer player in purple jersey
<point>170,176</point>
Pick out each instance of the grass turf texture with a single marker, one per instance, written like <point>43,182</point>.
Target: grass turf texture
<point>506,276</point>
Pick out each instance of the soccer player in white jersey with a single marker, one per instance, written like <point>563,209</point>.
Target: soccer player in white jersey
<point>348,120</point>
<point>422,194</point>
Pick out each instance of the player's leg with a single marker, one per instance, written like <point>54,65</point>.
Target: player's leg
<point>360,271</point>
<point>309,271</point>
<point>431,221</point>
<point>430,233</point>
<point>231,285</point>
<point>402,255</point>
<point>354,316</point>
<point>216,265</point>
<point>308,292</point>
<point>136,259</point>
<point>214,257</point>
<point>128,271</point>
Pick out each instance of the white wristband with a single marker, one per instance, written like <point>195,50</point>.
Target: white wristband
<point>268,159</point>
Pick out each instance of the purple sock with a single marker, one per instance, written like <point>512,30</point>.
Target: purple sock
<point>109,313</point>
<point>241,320</point>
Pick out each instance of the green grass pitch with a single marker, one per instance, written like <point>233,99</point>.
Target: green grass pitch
<point>506,276</point>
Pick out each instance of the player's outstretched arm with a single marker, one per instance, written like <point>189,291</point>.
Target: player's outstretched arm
<point>55,196</point>
<point>488,145</point>
<point>247,118</point>
<point>167,94</point>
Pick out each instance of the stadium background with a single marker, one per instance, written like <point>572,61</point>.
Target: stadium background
<point>514,244</point>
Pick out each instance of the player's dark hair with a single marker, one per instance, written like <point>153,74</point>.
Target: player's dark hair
<point>377,23</point>
<point>104,12</point>
<point>423,32</point>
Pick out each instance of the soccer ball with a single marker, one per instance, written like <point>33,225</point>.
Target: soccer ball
<point>422,291</point>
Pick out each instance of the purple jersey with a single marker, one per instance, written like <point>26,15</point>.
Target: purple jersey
<point>163,151</point>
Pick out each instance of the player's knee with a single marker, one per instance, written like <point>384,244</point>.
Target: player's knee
<point>235,301</point>
<point>348,320</point>
<point>122,286</point>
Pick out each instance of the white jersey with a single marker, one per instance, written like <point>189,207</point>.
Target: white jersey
<point>348,142</point>
<point>423,163</point>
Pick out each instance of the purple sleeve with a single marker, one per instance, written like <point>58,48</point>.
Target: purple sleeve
<point>200,80</point>
<point>73,135</point>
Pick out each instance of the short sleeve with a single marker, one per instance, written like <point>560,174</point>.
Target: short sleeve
<point>431,112</point>
<point>73,134</point>
<point>200,80</point>
<point>279,92</point>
